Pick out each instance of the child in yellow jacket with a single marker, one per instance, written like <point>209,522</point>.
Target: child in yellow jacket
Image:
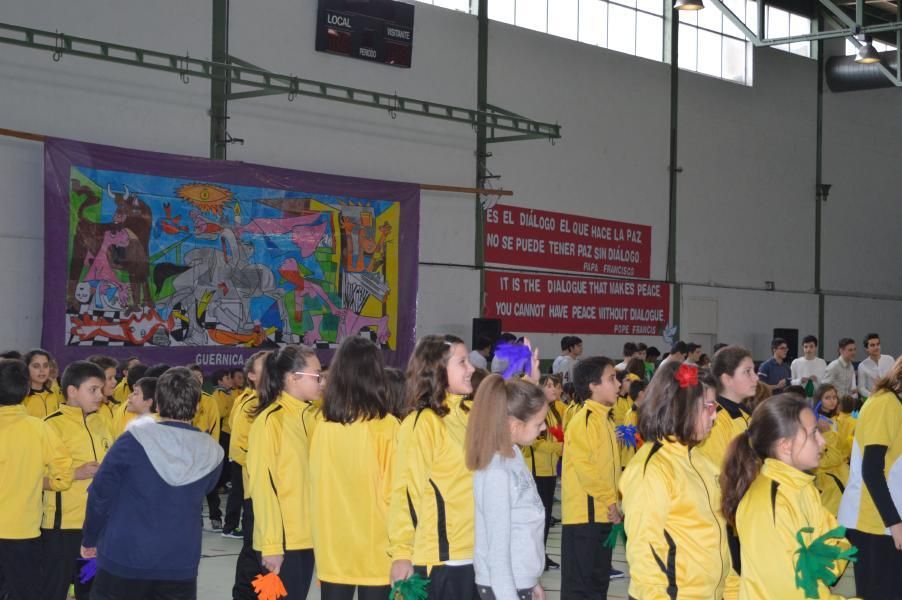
<point>41,400</point>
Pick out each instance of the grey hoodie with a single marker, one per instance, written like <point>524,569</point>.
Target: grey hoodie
<point>179,456</point>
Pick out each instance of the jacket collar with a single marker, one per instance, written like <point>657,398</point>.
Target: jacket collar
<point>597,407</point>
<point>12,409</point>
<point>785,474</point>
<point>292,404</point>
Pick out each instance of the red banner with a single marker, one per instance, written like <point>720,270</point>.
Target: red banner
<point>538,303</point>
<point>551,240</point>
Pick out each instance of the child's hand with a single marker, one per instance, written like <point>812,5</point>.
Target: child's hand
<point>400,570</point>
<point>273,563</point>
<point>88,552</point>
<point>87,470</point>
<point>538,593</point>
<point>614,514</point>
<point>533,375</point>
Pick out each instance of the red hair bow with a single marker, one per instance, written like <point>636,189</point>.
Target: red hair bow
<point>686,375</point>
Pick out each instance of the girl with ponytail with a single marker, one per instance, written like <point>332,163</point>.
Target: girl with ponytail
<point>510,517</point>
<point>431,513</point>
<point>278,465</point>
<point>770,498</point>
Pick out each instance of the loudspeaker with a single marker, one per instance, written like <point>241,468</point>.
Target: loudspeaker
<point>490,328</point>
<point>792,340</point>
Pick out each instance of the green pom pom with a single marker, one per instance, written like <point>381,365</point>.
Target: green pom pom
<point>412,588</point>
<point>815,561</point>
<point>616,531</point>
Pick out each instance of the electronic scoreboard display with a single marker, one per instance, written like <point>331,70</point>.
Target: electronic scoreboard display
<point>374,30</point>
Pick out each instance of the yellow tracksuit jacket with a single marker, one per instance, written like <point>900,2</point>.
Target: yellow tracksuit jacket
<point>627,452</point>
<point>542,456</point>
<point>29,451</point>
<point>109,412</point>
<point>122,416</point>
<point>572,408</point>
<point>781,501</point>
<point>350,480</point>
<point>591,468</point>
<point>432,513</point>
<point>122,391</point>
<point>677,535</point>
<point>279,475</point>
<point>621,407</point>
<point>832,473</point>
<point>240,420</point>
<point>731,420</point>
<point>42,403</point>
<point>87,439</point>
<point>224,401</point>
<point>207,416</point>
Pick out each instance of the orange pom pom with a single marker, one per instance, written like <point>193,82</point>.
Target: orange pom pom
<point>269,587</point>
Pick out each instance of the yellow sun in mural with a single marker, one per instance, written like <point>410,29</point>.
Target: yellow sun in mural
<point>206,197</point>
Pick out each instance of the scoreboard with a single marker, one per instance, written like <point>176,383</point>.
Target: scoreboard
<point>374,30</point>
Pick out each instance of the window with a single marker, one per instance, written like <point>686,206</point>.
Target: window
<point>710,44</point>
<point>780,23</point>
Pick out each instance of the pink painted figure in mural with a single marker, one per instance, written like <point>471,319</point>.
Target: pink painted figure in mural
<point>100,271</point>
<point>304,230</point>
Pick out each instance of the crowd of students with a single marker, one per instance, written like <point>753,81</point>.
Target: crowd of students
<point>445,474</point>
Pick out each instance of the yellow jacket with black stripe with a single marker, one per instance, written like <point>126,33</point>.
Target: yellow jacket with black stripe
<point>432,514</point>
<point>224,400</point>
<point>122,416</point>
<point>279,475</point>
<point>832,474</point>
<point>780,502</point>
<point>572,408</point>
<point>351,478</point>
<point>122,391</point>
<point>207,416</point>
<point>542,456</point>
<point>109,412</point>
<point>42,403</point>
<point>628,451</point>
<point>677,534</point>
<point>241,419</point>
<point>591,468</point>
<point>29,451</point>
<point>731,420</point>
<point>621,407</point>
<point>87,439</point>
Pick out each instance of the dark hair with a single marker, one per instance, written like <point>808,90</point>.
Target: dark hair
<point>777,342</point>
<point>847,404</point>
<point>679,347</point>
<point>356,389</point>
<point>234,370</point>
<point>395,393</point>
<point>546,377</point>
<point>565,343</point>
<point>280,363</point>
<point>427,373</point>
<point>249,365</point>
<point>12,355</point>
<point>635,366</point>
<point>774,419</point>
<point>870,337</point>
<point>14,381</point>
<point>488,431</point>
<point>641,347</point>
<point>177,394</point>
<point>77,373</point>
<point>476,379</point>
<point>220,374</point>
<point>629,348</point>
<point>652,352</point>
<point>704,360</point>
<point>636,388</point>
<point>157,370</point>
<point>505,338</point>
<point>483,342</point>
<point>29,356</point>
<point>823,389</point>
<point>843,342</point>
<point>104,362</point>
<point>669,411</point>
<point>134,374</point>
<point>796,390</point>
<point>809,339</point>
<point>589,371</point>
<point>194,367</point>
<point>148,387</point>
<point>717,347</point>
<point>726,361</point>
<point>692,347</point>
<point>123,364</point>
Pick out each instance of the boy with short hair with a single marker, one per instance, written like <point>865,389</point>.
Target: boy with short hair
<point>33,459</point>
<point>107,410</point>
<point>141,521</point>
<point>591,472</point>
<point>142,401</point>
<point>87,439</point>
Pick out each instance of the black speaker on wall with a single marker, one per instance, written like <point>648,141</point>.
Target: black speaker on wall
<point>792,340</point>
<point>491,328</point>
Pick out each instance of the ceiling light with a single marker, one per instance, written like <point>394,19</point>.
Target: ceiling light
<point>867,54</point>
<point>689,5</point>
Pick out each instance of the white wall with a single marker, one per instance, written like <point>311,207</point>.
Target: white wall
<point>746,204</point>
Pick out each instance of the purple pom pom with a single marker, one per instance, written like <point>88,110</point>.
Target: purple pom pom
<point>518,357</point>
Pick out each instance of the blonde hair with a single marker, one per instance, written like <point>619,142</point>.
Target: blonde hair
<point>488,431</point>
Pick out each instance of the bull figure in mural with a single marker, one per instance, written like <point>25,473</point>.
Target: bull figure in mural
<point>132,219</point>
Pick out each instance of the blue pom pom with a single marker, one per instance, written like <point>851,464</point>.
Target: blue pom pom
<point>627,435</point>
<point>88,570</point>
<point>518,357</point>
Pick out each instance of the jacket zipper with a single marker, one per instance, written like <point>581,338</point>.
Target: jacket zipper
<point>90,437</point>
<point>711,508</point>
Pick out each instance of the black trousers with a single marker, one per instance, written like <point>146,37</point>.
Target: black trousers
<point>878,572</point>
<point>61,548</point>
<point>20,569</point>
<point>296,573</point>
<point>585,562</point>
<point>545,486</point>
<point>247,567</point>
<point>224,443</point>
<point>486,593</point>
<point>340,591</point>
<point>450,583</point>
<point>235,499</point>
<point>110,587</point>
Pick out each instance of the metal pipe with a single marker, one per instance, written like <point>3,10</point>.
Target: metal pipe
<point>843,74</point>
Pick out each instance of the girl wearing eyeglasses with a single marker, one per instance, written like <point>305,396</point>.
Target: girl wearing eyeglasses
<point>351,457</point>
<point>278,466</point>
<point>671,499</point>
<point>431,518</point>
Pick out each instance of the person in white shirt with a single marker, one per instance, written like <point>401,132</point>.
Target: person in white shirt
<point>693,353</point>
<point>809,367</point>
<point>841,372</point>
<point>874,367</point>
<point>481,351</point>
<point>630,349</point>
<point>571,350</point>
